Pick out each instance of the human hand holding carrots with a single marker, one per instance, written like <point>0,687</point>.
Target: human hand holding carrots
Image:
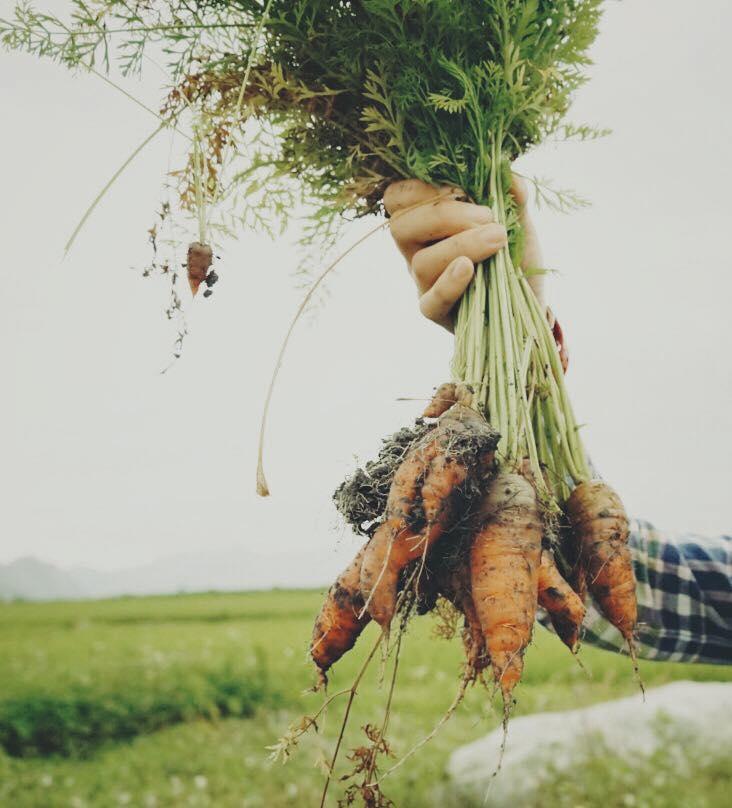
<point>442,241</point>
<point>449,523</point>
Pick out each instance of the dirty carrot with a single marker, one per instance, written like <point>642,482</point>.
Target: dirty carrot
<point>198,262</point>
<point>600,528</point>
<point>421,501</point>
<point>562,603</point>
<point>341,619</point>
<point>504,562</point>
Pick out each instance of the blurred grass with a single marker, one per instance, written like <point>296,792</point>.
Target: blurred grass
<point>196,654</point>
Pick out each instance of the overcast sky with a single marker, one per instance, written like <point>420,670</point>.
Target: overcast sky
<point>107,463</point>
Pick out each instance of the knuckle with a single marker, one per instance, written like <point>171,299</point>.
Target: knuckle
<point>443,298</point>
<point>400,193</point>
<point>426,307</point>
<point>396,228</point>
<point>391,196</point>
<point>420,266</point>
<point>466,241</point>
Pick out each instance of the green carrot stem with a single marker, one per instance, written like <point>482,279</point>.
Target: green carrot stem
<point>505,348</point>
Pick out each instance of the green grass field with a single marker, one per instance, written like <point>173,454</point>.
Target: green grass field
<point>172,701</point>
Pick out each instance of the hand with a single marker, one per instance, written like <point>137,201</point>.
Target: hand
<point>444,239</point>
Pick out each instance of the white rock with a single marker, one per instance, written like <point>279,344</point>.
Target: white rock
<point>628,726</point>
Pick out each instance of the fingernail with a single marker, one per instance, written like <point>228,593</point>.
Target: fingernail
<point>462,269</point>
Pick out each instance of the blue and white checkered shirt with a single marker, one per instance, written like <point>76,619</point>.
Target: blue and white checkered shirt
<point>684,590</point>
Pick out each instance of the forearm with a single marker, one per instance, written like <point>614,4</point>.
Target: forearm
<point>684,587</point>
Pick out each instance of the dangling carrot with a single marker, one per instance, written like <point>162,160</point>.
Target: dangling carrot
<point>421,502</point>
<point>198,262</point>
<point>341,619</point>
<point>504,566</point>
<point>600,528</point>
<point>563,605</point>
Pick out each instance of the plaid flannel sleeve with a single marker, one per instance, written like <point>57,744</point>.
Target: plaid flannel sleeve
<point>684,589</point>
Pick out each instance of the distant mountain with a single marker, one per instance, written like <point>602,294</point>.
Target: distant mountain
<point>31,579</point>
<point>224,570</point>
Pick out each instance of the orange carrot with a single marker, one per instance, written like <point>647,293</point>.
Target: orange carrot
<point>340,621</point>
<point>454,584</point>
<point>198,261</point>
<point>563,605</point>
<point>445,396</point>
<point>504,562</point>
<point>421,502</point>
<point>600,527</point>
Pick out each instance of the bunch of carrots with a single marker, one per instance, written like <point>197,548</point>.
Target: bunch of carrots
<point>482,547</point>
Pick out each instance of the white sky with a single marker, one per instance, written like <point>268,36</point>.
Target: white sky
<point>107,463</point>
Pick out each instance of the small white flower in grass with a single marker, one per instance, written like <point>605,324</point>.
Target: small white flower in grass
<point>200,781</point>
<point>123,798</point>
<point>46,780</point>
<point>291,790</point>
<point>629,800</point>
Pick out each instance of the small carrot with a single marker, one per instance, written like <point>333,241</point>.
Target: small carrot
<point>454,584</point>
<point>341,619</point>
<point>600,528</point>
<point>563,605</point>
<point>445,396</point>
<point>504,566</point>
<point>421,503</point>
<point>198,262</point>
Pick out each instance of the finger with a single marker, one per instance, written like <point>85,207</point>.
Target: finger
<point>405,193</point>
<point>416,227</point>
<point>437,303</point>
<point>476,244</point>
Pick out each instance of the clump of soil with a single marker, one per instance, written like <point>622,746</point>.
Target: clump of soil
<point>361,498</point>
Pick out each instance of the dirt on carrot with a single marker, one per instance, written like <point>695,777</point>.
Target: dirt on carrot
<point>198,263</point>
<point>561,602</point>
<point>504,566</point>
<point>600,526</point>
<point>341,620</point>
